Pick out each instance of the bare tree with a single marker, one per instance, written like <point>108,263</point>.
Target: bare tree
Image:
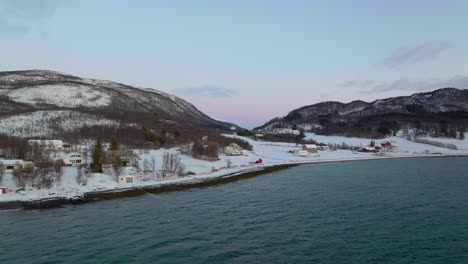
<point>171,162</point>
<point>82,176</point>
<point>41,178</point>
<point>2,172</point>
<point>181,170</point>
<point>186,149</point>
<point>21,178</point>
<point>146,165</point>
<point>212,150</point>
<point>116,169</point>
<point>136,164</point>
<point>152,164</point>
<point>57,167</point>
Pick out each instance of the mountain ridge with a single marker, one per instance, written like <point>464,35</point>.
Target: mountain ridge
<point>42,93</point>
<point>331,116</point>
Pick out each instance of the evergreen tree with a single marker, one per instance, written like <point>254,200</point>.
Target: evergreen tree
<point>114,144</point>
<point>96,165</point>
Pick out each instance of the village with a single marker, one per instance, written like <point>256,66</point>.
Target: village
<point>55,168</point>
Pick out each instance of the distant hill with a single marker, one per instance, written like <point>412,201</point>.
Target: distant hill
<point>39,103</point>
<point>435,112</point>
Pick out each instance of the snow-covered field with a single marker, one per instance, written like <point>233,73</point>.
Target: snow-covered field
<point>272,153</point>
<point>402,145</point>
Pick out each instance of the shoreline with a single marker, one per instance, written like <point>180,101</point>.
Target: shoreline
<point>201,181</point>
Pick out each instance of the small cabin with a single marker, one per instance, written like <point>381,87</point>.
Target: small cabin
<point>2,190</point>
<point>311,148</point>
<point>126,179</point>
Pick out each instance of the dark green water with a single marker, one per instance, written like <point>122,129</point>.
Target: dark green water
<point>393,211</point>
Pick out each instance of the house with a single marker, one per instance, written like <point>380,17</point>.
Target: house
<point>122,154</point>
<point>9,166</point>
<point>259,161</point>
<point>2,190</point>
<point>386,145</point>
<point>48,145</point>
<point>233,150</point>
<point>311,148</point>
<point>257,136</point>
<point>369,149</point>
<point>324,148</point>
<point>74,159</point>
<point>302,153</point>
<point>126,179</point>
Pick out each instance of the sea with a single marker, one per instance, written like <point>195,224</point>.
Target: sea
<point>385,211</point>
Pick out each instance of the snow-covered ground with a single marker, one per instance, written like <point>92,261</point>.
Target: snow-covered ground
<point>402,145</point>
<point>461,144</point>
<point>272,153</point>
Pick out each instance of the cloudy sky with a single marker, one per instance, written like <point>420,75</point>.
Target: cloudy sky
<point>245,61</point>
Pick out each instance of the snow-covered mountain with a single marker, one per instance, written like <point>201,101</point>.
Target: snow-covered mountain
<point>52,100</point>
<point>447,105</point>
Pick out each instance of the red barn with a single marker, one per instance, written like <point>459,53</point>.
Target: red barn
<point>2,190</point>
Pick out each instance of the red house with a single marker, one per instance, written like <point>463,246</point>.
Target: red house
<point>2,190</point>
<point>386,144</point>
<point>259,161</point>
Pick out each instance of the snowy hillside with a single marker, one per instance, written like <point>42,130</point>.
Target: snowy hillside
<point>48,123</point>
<point>30,97</point>
<point>432,112</point>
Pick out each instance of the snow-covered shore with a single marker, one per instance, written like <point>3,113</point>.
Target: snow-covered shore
<point>273,154</point>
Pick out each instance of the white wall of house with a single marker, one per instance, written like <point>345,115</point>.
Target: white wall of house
<point>9,166</point>
<point>74,159</point>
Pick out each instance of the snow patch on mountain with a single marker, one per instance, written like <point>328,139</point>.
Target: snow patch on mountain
<point>61,95</point>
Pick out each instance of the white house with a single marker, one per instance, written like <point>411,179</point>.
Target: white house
<point>302,153</point>
<point>74,159</point>
<point>9,166</point>
<point>258,135</point>
<point>48,145</point>
<point>311,148</point>
<point>233,150</point>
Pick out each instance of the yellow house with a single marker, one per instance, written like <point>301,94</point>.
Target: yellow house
<point>126,179</point>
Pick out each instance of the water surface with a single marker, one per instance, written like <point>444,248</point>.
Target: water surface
<point>390,211</point>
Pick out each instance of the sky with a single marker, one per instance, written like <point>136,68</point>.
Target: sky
<point>245,61</point>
